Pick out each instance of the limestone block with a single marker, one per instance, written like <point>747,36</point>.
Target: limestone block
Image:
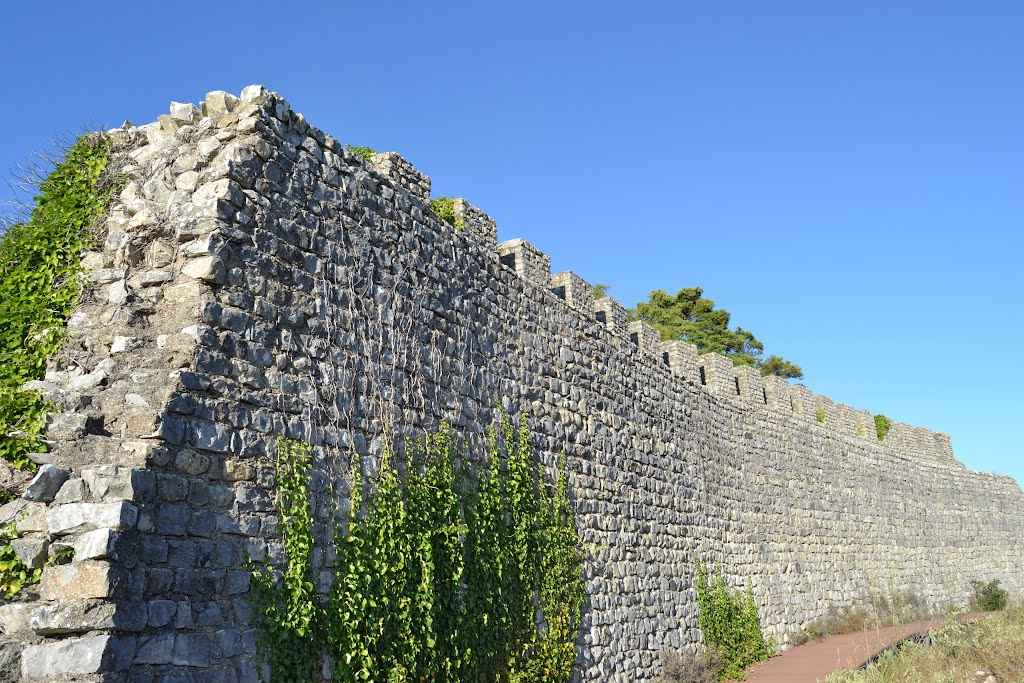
<point>209,269</point>
<point>30,550</point>
<point>46,484</point>
<point>89,579</point>
<point>218,103</point>
<point>91,655</point>
<point>76,517</point>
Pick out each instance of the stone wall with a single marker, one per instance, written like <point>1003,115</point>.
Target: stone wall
<point>259,280</point>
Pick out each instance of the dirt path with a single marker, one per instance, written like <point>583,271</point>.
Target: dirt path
<point>813,662</point>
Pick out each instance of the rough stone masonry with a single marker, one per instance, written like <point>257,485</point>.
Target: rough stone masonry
<point>258,279</point>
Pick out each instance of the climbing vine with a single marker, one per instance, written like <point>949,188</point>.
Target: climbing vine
<point>39,268</point>
<point>728,619</point>
<point>443,571</point>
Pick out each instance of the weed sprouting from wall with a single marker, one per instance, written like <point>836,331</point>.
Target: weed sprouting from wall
<point>882,424</point>
<point>444,207</point>
<point>729,622</point>
<point>439,574</point>
<point>365,152</point>
<point>39,268</point>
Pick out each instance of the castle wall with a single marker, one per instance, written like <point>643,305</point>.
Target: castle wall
<point>315,295</point>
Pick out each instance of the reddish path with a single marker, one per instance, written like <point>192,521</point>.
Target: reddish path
<point>813,662</point>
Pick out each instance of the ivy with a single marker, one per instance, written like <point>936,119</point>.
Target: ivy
<point>14,575</point>
<point>729,622</point>
<point>39,285</point>
<point>444,207</point>
<point>443,571</point>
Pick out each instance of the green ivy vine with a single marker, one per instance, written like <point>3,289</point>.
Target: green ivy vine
<point>39,285</point>
<point>729,622</point>
<point>440,574</point>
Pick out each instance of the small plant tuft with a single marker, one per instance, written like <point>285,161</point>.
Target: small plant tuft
<point>365,152</point>
<point>820,415</point>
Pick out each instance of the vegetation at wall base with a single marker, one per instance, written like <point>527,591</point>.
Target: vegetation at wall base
<point>440,574</point>
<point>444,207</point>
<point>365,152</point>
<point>39,285</point>
<point>988,596</point>
<point>871,612</point>
<point>728,619</point>
<point>882,424</point>
<point>687,315</point>
<point>993,646</point>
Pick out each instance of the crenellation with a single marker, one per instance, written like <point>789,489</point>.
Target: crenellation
<point>612,315</point>
<point>529,262</point>
<point>681,357</point>
<point>864,423</point>
<point>777,393</point>
<point>750,385</point>
<point>392,166</point>
<point>476,221</point>
<point>258,280</point>
<point>573,290</point>
<point>644,336</point>
<point>803,402</point>
<point>845,419</point>
<point>717,376</point>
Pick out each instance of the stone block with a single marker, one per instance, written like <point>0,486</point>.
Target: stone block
<point>77,517</point>
<point>46,484</point>
<point>80,656</point>
<point>89,579</point>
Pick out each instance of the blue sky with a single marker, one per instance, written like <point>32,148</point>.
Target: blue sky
<point>847,178</point>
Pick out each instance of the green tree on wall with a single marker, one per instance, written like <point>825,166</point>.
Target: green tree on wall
<point>687,315</point>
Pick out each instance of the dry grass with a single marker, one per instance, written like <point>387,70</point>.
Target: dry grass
<point>690,668</point>
<point>877,612</point>
<point>961,653</point>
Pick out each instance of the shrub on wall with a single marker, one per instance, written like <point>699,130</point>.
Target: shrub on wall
<point>39,268</point>
<point>882,424</point>
<point>728,619</point>
<point>444,207</point>
<point>439,575</point>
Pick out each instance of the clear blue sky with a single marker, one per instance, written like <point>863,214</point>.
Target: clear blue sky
<point>846,177</point>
